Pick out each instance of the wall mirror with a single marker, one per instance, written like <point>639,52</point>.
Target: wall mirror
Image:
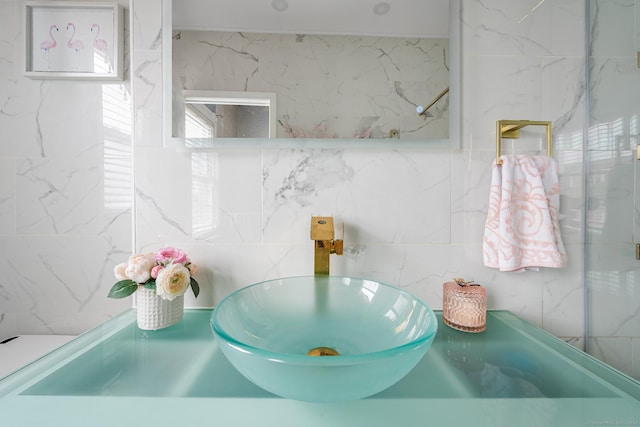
<point>383,72</point>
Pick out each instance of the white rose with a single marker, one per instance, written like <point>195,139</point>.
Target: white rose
<point>120,271</point>
<point>172,281</point>
<point>139,268</point>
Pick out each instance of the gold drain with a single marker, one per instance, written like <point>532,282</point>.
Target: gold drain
<point>322,351</point>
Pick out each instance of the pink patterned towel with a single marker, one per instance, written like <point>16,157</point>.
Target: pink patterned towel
<point>522,230</point>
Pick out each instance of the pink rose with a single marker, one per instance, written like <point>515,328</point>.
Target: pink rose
<point>139,268</point>
<point>169,254</point>
<point>155,270</point>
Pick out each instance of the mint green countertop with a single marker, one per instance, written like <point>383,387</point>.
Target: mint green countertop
<point>512,374</point>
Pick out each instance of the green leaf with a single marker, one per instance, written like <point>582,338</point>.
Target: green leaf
<point>195,287</point>
<point>150,284</point>
<point>123,289</point>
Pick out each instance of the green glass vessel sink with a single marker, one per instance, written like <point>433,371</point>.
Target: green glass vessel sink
<point>371,334</point>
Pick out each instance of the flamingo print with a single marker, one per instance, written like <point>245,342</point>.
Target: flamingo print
<point>98,44</point>
<point>47,45</point>
<point>76,45</point>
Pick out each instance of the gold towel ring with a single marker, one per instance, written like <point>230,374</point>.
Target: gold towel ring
<point>510,129</point>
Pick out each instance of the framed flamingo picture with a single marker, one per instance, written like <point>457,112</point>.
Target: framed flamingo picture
<point>73,40</point>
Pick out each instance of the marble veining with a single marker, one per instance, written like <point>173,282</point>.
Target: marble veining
<point>313,172</point>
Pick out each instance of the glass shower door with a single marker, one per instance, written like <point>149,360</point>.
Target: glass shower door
<point>612,272</point>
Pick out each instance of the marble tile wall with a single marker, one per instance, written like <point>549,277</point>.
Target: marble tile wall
<point>523,64</point>
<point>65,194</point>
<point>412,216</point>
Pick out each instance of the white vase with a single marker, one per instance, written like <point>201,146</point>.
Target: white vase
<point>154,312</point>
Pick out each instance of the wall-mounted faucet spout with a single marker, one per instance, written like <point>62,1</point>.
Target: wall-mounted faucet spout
<point>322,233</point>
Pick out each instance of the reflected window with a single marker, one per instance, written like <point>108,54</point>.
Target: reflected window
<point>204,197</point>
<point>210,114</point>
<point>116,130</point>
<point>196,124</point>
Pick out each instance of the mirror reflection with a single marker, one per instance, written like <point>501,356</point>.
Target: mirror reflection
<point>328,86</point>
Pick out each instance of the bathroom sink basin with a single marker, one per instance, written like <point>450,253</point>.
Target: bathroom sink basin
<point>271,332</point>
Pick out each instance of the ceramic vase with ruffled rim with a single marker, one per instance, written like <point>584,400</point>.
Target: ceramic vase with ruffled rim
<point>154,312</point>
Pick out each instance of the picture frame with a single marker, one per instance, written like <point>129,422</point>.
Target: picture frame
<point>73,40</point>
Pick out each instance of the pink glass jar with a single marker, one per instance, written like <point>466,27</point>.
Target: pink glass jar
<point>464,307</point>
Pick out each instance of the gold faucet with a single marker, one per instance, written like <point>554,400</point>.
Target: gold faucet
<point>322,233</point>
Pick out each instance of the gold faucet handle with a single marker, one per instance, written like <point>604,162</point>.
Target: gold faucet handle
<point>337,247</point>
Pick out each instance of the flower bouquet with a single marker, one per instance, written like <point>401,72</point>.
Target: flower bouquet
<point>161,280</point>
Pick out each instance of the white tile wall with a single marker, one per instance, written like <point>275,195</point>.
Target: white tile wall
<point>65,194</point>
